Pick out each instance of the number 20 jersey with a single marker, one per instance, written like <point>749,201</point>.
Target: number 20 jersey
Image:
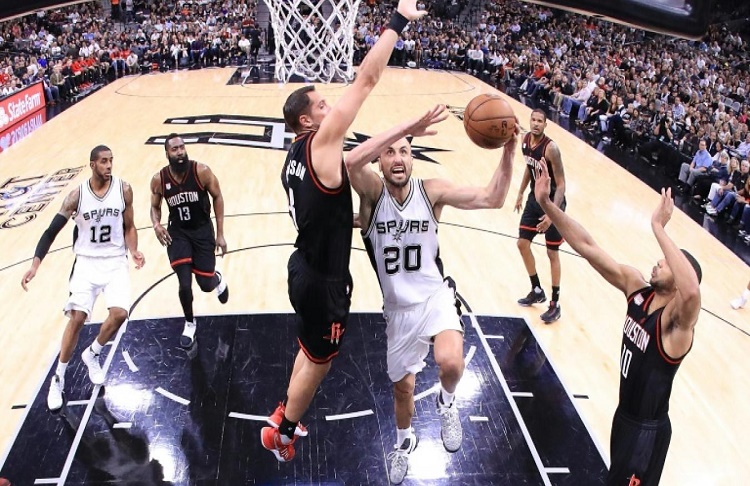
<point>401,240</point>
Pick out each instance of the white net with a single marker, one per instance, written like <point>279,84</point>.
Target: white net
<point>314,38</point>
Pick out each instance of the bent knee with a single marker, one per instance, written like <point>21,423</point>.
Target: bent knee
<point>118,314</point>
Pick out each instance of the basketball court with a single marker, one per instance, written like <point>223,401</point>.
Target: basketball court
<point>536,400</point>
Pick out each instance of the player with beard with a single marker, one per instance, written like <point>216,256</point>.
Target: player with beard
<point>399,217</point>
<point>657,335</point>
<point>189,236</point>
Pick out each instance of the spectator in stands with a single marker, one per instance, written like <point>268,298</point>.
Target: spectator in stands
<point>698,167</point>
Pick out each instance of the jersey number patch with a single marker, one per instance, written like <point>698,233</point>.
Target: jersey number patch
<point>412,258</point>
<point>625,358</point>
<point>103,235</point>
<point>184,213</point>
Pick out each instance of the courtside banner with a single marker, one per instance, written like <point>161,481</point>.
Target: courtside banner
<point>20,105</point>
<point>22,129</point>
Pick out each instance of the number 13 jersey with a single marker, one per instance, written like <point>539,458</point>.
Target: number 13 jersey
<point>188,202</point>
<point>99,228</point>
<point>401,240</point>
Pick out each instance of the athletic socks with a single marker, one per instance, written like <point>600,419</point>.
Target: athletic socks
<point>60,370</point>
<point>96,348</point>
<point>445,397</point>
<point>286,430</point>
<point>555,294</point>
<point>536,286</point>
<point>402,435</point>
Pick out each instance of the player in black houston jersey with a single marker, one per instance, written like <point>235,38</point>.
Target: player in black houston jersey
<point>539,149</point>
<point>189,237</point>
<point>657,334</point>
<point>320,205</point>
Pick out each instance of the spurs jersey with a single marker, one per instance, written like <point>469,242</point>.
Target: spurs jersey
<point>533,156</point>
<point>322,215</point>
<point>646,371</point>
<point>401,240</point>
<point>188,202</point>
<point>99,228</point>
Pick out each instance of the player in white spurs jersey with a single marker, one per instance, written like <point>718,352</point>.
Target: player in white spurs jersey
<point>104,232</point>
<point>399,220</point>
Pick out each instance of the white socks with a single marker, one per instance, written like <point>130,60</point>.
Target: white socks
<point>96,348</point>
<point>402,435</point>
<point>445,397</point>
<point>60,370</point>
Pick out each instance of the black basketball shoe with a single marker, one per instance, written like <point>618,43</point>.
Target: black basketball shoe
<point>534,297</point>
<point>552,314</point>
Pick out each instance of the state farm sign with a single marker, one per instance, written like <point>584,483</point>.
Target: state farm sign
<point>21,104</point>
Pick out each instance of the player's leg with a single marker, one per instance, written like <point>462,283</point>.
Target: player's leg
<point>322,309</point>
<point>116,278</point>
<point>405,357</point>
<point>553,239</point>
<point>180,254</point>
<point>526,233</point>
<point>406,440</point>
<point>204,263</point>
<point>76,320</point>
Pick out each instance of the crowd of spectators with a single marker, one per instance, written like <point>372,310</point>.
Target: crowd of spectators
<point>681,104</point>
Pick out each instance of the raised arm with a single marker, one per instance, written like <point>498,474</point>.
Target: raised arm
<point>211,183</point>
<point>131,232</point>
<point>69,207</point>
<point>681,313</point>
<point>627,279</point>
<point>443,192</point>
<point>364,180</point>
<point>326,146</point>
<point>156,196</point>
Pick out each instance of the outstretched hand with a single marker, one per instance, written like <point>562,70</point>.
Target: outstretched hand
<point>408,8</point>
<point>663,211</point>
<point>419,127</point>
<point>542,182</point>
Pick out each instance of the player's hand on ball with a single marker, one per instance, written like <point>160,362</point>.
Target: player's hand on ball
<point>408,8</point>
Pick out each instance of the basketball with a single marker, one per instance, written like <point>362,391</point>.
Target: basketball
<point>489,121</point>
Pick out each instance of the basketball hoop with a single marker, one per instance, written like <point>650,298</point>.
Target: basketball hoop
<point>314,38</point>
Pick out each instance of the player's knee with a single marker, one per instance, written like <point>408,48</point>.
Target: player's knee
<point>77,319</point>
<point>186,291</point>
<point>523,244</point>
<point>118,314</point>
<point>451,365</point>
<point>206,284</point>
<point>404,389</point>
<point>553,252</point>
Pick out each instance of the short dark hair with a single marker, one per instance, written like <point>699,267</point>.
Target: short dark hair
<point>694,263</point>
<point>170,137</point>
<point>97,150</point>
<point>296,105</point>
<point>541,112</point>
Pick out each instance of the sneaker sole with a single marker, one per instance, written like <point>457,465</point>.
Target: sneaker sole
<point>275,452</point>
<point>446,447</point>
<point>523,304</point>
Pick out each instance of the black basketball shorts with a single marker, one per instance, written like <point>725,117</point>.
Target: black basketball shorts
<point>193,247</point>
<point>532,213</point>
<point>638,449</point>
<point>322,305</point>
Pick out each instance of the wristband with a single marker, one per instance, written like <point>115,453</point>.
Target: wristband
<point>398,22</point>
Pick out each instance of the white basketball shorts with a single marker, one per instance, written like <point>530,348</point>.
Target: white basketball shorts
<point>410,331</point>
<point>93,275</point>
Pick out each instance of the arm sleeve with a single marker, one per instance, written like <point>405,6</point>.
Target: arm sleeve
<point>49,235</point>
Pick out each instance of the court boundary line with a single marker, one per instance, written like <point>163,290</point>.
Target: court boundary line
<point>506,391</point>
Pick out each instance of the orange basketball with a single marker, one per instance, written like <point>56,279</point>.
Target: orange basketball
<point>489,121</point>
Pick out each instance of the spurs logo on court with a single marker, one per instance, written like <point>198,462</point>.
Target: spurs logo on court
<point>23,198</point>
<point>264,133</point>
